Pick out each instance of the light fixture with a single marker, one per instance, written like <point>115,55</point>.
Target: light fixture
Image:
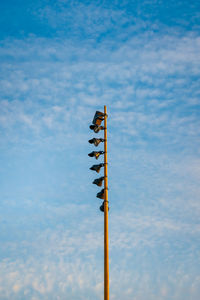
<point>97,168</point>
<point>95,154</point>
<point>96,128</point>
<point>95,141</point>
<point>102,207</point>
<point>99,181</point>
<point>98,118</point>
<point>100,194</point>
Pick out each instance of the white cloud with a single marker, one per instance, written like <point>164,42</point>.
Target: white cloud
<point>50,90</point>
<point>57,271</point>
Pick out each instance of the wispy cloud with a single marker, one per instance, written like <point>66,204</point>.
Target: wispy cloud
<point>146,69</point>
<point>152,78</point>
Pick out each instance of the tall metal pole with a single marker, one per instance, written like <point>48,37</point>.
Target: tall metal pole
<point>106,257</point>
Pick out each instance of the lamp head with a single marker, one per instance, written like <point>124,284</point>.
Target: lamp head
<point>96,128</point>
<point>95,154</point>
<point>102,207</point>
<point>95,141</point>
<point>98,118</point>
<point>98,181</point>
<point>100,195</point>
<point>97,168</point>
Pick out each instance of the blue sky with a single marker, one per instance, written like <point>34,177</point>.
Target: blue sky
<point>60,62</point>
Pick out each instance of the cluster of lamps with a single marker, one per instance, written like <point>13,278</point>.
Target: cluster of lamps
<point>96,127</point>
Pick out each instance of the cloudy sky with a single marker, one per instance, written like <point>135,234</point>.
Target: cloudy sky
<point>60,62</point>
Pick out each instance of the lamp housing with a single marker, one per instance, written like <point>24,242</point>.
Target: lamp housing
<point>96,128</point>
<point>99,181</point>
<point>100,195</point>
<point>98,118</point>
<point>95,154</point>
<point>97,168</point>
<point>95,141</point>
<point>102,207</point>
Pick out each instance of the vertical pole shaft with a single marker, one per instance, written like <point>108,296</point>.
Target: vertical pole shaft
<point>106,257</point>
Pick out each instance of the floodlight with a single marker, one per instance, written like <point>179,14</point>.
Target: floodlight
<point>96,128</point>
<point>98,118</point>
<point>98,181</point>
<point>102,207</point>
<point>100,194</point>
<point>95,154</point>
<point>96,142</point>
<point>97,168</point>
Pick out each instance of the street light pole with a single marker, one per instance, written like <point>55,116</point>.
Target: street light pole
<point>106,252</point>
